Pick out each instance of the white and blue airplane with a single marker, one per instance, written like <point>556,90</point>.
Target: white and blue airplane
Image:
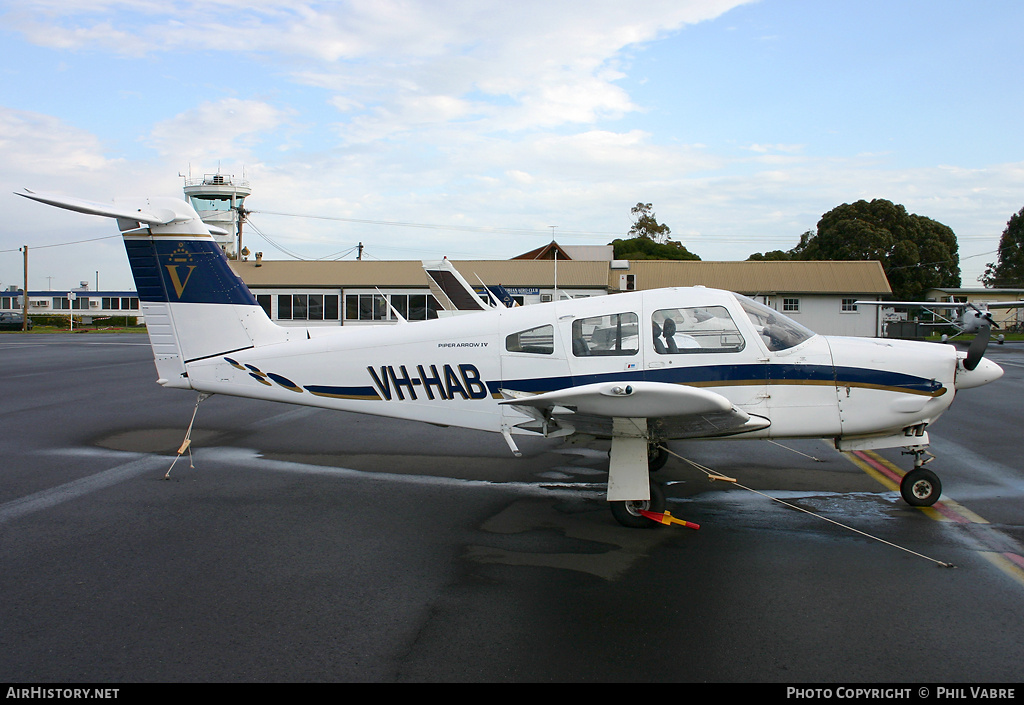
<point>638,368</point>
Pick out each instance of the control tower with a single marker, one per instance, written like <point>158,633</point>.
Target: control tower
<point>218,200</point>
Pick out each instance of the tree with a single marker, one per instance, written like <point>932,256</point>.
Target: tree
<point>646,225</point>
<point>1008,270</point>
<point>645,248</point>
<point>917,253</point>
<point>649,239</point>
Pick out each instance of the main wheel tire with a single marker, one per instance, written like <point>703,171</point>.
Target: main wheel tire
<point>920,488</point>
<point>657,456</point>
<point>628,513</point>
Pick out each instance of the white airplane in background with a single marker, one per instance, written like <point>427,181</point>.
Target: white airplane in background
<point>971,317</point>
<point>638,368</point>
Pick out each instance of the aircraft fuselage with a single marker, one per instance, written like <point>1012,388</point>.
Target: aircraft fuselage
<point>457,370</point>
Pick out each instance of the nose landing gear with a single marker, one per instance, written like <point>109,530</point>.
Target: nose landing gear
<point>920,487</point>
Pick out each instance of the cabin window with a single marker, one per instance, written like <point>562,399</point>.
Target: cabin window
<point>778,332</point>
<point>539,340</point>
<point>702,329</point>
<point>614,334</point>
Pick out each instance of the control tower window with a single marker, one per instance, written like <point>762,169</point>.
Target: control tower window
<point>211,203</point>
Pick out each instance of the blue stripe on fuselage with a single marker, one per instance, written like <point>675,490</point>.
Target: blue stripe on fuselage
<point>741,375</point>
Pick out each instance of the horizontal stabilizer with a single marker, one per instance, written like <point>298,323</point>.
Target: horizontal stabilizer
<point>160,216</point>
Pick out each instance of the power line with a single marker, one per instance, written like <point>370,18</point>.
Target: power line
<point>63,244</point>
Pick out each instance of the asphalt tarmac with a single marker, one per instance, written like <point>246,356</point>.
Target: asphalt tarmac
<point>300,545</point>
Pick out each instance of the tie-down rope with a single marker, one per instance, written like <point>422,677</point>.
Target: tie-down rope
<point>712,475</point>
<point>187,443</point>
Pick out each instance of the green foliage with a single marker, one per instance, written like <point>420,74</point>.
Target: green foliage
<point>917,253</point>
<point>773,256</point>
<point>649,239</point>
<point>1008,270</point>
<point>645,248</point>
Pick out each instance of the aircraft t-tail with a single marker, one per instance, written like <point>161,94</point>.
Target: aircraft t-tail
<point>638,368</point>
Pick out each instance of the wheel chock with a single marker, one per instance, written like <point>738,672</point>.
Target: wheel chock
<point>667,518</point>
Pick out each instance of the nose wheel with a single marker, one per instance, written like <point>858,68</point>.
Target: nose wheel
<point>920,487</point>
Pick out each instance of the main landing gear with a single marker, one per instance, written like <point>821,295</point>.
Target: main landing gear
<point>920,487</point>
<point>628,513</point>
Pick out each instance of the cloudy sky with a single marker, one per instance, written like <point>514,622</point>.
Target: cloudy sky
<point>469,128</point>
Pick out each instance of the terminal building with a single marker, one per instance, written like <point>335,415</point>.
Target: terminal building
<point>80,302</point>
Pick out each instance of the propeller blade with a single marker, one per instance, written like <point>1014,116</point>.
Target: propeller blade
<point>977,349</point>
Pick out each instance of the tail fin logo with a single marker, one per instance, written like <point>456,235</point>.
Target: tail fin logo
<point>178,259</point>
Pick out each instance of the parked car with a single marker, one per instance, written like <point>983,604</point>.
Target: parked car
<point>13,321</point>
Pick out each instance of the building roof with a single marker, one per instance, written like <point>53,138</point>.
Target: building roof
<point>764,277</point>
<point>861,278</point>
<point>547,251</point>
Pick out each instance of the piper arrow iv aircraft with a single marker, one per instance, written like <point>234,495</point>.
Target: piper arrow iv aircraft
<point>637,368</point>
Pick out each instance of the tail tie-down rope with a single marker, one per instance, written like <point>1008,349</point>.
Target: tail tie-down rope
<point>187,443</point>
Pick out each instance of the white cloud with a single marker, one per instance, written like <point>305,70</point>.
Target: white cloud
<point>34,144</point>
<point>224,129</point>
<point>554,61</point>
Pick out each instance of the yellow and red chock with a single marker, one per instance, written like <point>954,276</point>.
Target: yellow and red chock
<point>667,518</point>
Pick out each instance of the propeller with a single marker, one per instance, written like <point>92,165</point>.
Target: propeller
<point>977,349</point>
<point>983,315</point>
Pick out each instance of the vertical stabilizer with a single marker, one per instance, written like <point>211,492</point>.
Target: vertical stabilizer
<point>194,304</point>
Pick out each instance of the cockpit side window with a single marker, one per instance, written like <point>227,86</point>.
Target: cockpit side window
<point>539,340</point>
<point>779,332</point>
<point>702,329</point>
<point>613,334</point>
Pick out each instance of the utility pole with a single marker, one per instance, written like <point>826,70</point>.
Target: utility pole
<point>24,298</point>
<point>359,256</point>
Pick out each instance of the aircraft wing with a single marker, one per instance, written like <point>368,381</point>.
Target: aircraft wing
<point>674,410</point>
<point>923,304</point>
<point>1002,304</point>
<point>947,304</point>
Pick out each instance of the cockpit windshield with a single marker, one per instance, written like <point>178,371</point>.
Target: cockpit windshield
<point>777,331</point>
